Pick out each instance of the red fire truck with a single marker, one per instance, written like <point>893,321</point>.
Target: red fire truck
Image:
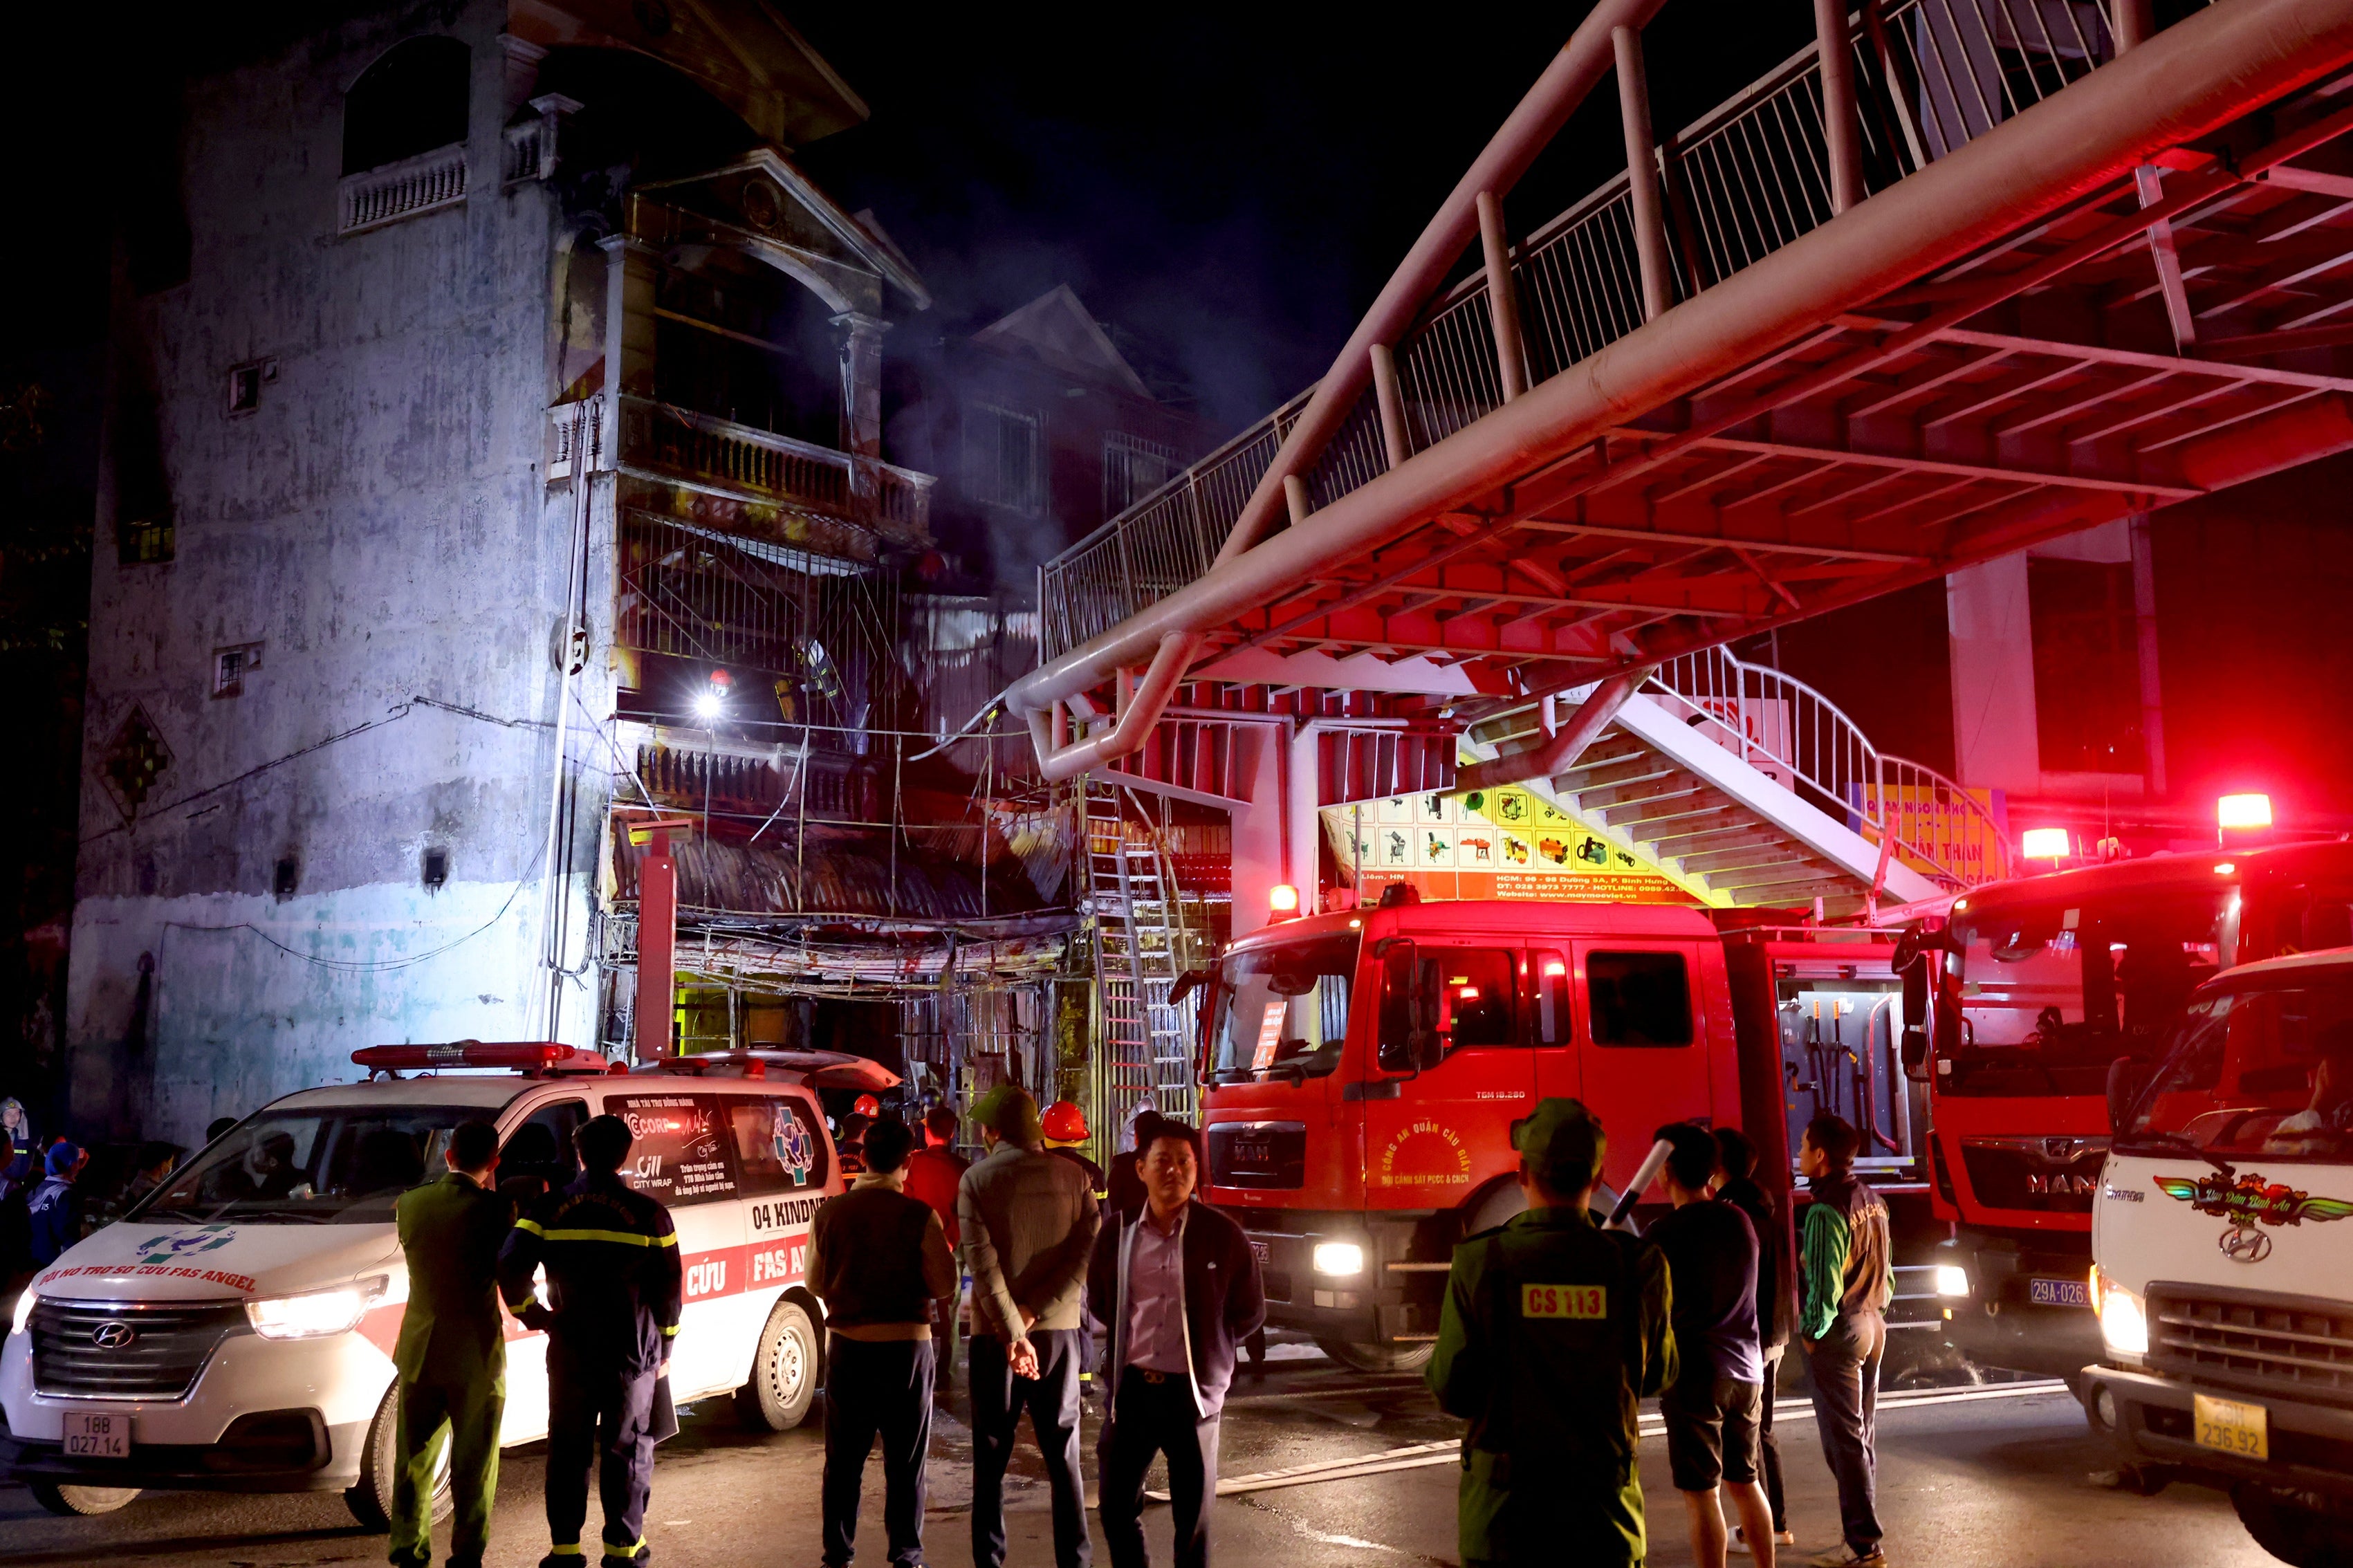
<point>1363,1070</point>
<point>2041,985</point>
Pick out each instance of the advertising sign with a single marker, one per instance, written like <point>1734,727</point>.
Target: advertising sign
<point>1488,844</point>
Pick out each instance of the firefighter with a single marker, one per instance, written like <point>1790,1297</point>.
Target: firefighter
<point>1066,1136</point>
<point>615,1289</point>
<point>1551,1331</point>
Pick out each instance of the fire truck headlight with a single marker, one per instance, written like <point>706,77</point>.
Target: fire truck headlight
<point>314,1314</point>
<point>1952,1279</point>
<point>2123,1325</point>
<point>1339,1258</point>
<point>24,1310</point>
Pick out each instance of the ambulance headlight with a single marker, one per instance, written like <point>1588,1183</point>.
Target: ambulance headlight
<point>24,1310</point>
<point>2124,1322</point>
<point>315,1313</point>
<point>1339,1258</point>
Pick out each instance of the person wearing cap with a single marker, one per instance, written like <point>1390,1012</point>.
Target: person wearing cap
<point>1065,1126</point>
<point>54,1211</point>
<point>1029,1222</point>
<point>1552,1329</point>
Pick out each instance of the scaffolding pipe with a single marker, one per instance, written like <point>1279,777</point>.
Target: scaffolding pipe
<point>2187,81</point>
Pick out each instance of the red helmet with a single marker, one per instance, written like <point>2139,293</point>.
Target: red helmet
<point>1064,1122</point>
<point>868,1106</point>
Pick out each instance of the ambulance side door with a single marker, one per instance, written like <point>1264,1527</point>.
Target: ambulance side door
<point>781,1168</point>
<point>680,1158</point>
<point>1640,1041</point>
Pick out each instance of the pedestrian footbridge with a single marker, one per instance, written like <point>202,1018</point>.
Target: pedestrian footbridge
<point>1960,276</point>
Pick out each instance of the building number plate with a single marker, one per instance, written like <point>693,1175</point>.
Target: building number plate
<point>2232,1427</point>
<point>93,1436</point>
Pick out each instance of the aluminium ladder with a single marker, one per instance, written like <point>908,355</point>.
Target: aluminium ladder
<point>1145,1048</point>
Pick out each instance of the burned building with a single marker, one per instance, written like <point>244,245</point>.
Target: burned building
<point>500,464</point>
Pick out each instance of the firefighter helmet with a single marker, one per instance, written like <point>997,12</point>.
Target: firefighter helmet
<point>1064,1122</point>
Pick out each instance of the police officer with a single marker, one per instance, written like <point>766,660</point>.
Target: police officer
<point>451,1353</point>
<point>1552,1329</point>
<point>616,1286</point>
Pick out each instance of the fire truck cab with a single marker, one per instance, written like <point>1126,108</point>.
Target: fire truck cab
<point>1363,1070</point>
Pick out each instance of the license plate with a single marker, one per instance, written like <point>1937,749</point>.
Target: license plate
<point>92,1436</point>
<point>2232,1427</point>
<point>2058,1292</point>
<point>1265,1253</point>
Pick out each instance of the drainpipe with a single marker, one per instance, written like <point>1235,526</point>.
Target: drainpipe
<point>1139,709</point>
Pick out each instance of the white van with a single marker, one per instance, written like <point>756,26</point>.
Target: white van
<point>234,1332</point>
<point>2222,1249</point>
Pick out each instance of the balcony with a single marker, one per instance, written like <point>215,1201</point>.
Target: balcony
<point>674,447</point>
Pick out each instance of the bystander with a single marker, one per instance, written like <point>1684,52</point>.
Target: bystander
<point>1776,1309</point>
<point>1843,1264</point>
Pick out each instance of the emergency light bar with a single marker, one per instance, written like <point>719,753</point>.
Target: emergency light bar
<point>2243,811</point>
<point>527,1055</point>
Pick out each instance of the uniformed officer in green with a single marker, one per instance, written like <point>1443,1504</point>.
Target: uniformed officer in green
<point>1553,1328</point>
<point>451,1354</point>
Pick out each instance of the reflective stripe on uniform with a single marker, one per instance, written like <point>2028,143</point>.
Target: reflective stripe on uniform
<point>532,1225</point>
<point>566,1549</point>
<point>619,1237</point>
<point>669,1331</point>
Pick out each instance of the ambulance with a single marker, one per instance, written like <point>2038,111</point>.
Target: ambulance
<point>2222,1255</point>
<point>234,1332</point>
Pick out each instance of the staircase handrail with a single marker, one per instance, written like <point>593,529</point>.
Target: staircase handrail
<point>1777,719</point>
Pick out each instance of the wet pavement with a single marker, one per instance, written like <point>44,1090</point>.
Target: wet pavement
<point>1968,1476</point>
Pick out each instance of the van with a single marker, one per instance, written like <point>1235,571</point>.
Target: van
<point>234,1332</point>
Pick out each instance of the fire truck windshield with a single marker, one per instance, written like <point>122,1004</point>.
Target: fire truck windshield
<point>1282,1009</point>
<point>2263,1072</point>
<point>2041,996</point>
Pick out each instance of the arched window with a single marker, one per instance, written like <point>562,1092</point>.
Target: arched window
<point>411,101</point>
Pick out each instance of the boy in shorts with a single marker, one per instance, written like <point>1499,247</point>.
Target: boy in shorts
<point>1712,1407</point>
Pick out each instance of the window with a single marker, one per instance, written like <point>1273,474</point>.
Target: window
<point>143,541</point>
<point>245,384</point>
<point>1474,996</point>
<point>1283,1007</point>
<point>540,1149</point>
<point>1549,998</point>
<point>411,101</point>
<point>232,665</point>
<point>1002,464</point>
<point>680,1156</point>
<point>285,878</point>
<point>1132,468</point>
<point>340,1164</point>
<point>1638,998</point>
<point>2086,665</point>
<point>435,871</point>
<point>778,1148</point>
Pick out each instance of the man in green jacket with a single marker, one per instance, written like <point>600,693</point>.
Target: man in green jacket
<point>1552,1329</point>
<point>451,1356</point>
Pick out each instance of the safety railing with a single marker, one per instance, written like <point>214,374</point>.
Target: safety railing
<point>758,464</point>
<point>1793,733</point>
<point>1742,181</point>
<point>427,183</point>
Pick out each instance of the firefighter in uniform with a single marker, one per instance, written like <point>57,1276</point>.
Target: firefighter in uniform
<point>615,1287</point>
<point>1552,1329</point>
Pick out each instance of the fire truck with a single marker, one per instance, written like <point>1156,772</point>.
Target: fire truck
<point>2040,984</point>
<point>1363,1070</point>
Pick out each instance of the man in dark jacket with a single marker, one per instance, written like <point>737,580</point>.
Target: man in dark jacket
<point>879,1260</point>
<point>1178,1287</point>
<point>1777,1302</point>
<point>616,1288</point>
<point>451,1354</point>
<point>1844,1266</point>
<point>53,1210</point>
<point>1551,1331</point>
<point>1123,1183</point>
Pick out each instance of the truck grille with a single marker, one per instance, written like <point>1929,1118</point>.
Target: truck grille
<point>2042,1176</point>
<point>115,1350</point>
<point>1262,1155</point>
<point>2299,1347</point>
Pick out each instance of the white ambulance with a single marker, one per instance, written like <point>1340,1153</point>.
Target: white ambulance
<point>2222,1247</point>
<point>234,1332</point>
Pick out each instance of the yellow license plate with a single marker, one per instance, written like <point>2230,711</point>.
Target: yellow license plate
<point>2230,1426</point>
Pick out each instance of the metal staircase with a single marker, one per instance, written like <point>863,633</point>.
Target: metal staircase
<point>1750,787</point>
<point>1145,1048</point>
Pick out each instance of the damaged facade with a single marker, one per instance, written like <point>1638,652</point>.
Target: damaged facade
<point>517,457</point>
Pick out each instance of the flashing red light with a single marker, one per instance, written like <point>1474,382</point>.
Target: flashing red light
<point>529,1055</point>
<point>2243,811</point>
<point>1282,899</point>
<point>1553,969</point>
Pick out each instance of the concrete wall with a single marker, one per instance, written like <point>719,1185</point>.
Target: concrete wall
<point>380,526</point>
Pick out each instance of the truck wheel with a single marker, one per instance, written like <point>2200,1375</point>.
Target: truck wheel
<point>784,1373</point>
<point>1379,1358</point>
<point>80,1501</point>
<point>2293,1532</point>
<point>371,1501</point>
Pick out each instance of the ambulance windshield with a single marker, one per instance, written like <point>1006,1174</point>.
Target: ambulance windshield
<point>2263,1072</point>
<point>1282,1009</point>
<point>319,1165</point>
